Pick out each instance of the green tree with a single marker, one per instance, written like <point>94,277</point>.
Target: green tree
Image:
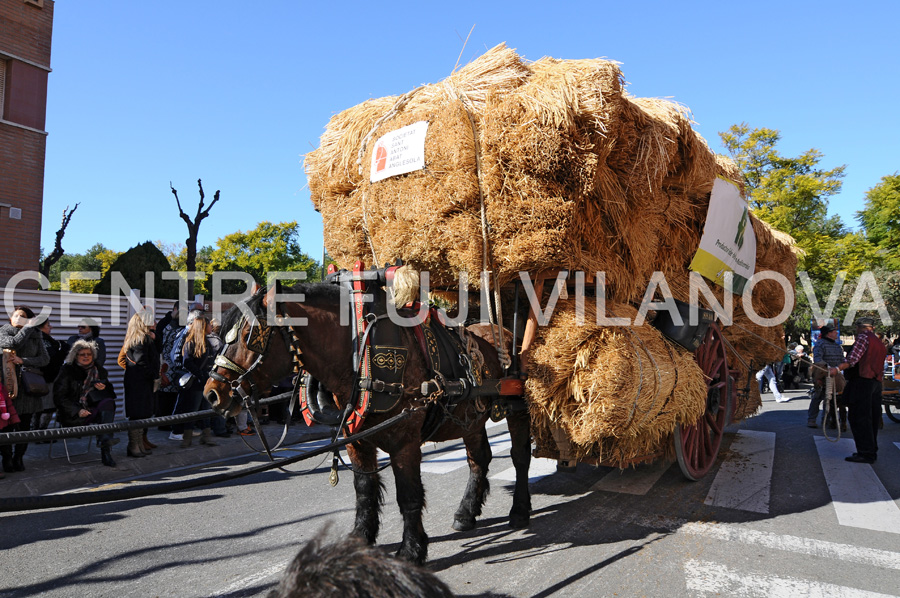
<point>880,219</point>
<point>96,259</point>
<point>176,254</point>
<point>172,251</point>
<point>267,248</point>
<point>792,195</point>
<point>133,266</point>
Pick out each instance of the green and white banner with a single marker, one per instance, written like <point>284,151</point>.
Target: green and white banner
<point>728,243</point>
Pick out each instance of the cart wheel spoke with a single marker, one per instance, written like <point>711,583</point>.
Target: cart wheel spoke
<point>697,445</point>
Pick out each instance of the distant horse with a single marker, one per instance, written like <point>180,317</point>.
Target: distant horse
<point>254,357</point>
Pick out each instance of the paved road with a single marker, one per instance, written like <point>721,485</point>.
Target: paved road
<point>781,515</point>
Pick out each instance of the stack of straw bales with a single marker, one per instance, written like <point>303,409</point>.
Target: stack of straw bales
<point>563,160</point>
<point>570,172</point>
<point>617,391</point>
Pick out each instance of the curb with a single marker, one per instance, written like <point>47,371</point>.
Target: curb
<point>46,475</point>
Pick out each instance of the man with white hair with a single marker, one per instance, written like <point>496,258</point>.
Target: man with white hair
<point>864,371</point>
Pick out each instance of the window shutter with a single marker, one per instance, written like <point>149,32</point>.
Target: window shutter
<point>2,84</point>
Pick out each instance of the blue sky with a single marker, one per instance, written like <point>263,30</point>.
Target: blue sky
<point>235,92</point>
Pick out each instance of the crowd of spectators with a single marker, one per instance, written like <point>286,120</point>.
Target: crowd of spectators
<point>166,364</point>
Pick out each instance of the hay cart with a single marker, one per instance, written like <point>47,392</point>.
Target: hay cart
<point>550,166</point>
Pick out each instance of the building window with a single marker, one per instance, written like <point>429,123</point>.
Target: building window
<point>38,3</point>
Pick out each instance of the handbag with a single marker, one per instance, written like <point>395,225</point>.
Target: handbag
<point>34,383</point>
<point>10,379</point>
<point>95,396</point>
<point>187,380</point>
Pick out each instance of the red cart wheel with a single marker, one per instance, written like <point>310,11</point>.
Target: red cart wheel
<point>697,445</point>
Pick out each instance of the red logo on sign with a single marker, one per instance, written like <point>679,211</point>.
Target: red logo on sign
<point>380,158</point>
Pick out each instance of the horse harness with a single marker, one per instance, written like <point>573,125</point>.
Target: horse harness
<point>379,362</point>
<point>380,358</point>
<point>257,341</point>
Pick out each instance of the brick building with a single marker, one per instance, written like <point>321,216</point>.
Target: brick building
<point>26,28</point>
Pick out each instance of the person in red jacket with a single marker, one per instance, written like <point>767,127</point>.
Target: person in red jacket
<point>864,370</point>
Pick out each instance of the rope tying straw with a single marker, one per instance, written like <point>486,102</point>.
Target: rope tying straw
<point>500,345</point>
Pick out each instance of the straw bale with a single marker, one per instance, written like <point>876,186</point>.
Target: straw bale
<point>688,204</point>
<point>647,204</point>
<point>332,168</point>
<point>726,168</point>
<point>570,164</point>
<point>626,386</point>
<point>409,216</point>
<point>611,451</point>
<point>410,205</point>
<point>344,229</point>
<point>499,70</point>
<point>539,153</point>
<point>335,166</point>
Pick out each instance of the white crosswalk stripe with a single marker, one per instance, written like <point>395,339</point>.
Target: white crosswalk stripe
<point>732,533</point>
<point>708,578</point>
<point>859,497</point>
<point>744,481</point>
<point>453,460</point>
<point>635,480</point>
<point>537,469</point>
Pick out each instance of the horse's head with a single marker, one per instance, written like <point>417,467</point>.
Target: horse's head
<point>256,354</point>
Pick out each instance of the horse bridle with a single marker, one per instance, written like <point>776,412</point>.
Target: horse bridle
<point>258,344</point>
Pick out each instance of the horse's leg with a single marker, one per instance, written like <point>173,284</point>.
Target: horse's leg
<point>478,450</point>
<point>369,491</point>
<point>406,463</point>
<point>519,423</point>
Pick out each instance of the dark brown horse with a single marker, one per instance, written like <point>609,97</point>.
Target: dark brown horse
<point>326,350</point>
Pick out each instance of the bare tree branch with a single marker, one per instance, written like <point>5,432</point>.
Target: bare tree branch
<point>58,252</point>
<point>193,227</point>
<point>181,213</point>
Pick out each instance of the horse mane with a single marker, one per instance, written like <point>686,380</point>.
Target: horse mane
<point>313,292</point>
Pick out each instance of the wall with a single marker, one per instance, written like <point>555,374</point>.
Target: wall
<point>25,38</point>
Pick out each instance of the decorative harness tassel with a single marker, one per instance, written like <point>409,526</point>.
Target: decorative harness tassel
<point>333,476</point>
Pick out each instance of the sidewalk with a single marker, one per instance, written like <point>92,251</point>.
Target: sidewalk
<point>46,475</point>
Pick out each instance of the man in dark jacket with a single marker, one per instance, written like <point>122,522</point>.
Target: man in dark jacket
<point>865,370</point>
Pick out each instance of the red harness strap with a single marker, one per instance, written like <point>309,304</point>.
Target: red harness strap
<point>363,402</point>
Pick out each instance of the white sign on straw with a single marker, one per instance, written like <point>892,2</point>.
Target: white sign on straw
<point>399,152</point>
